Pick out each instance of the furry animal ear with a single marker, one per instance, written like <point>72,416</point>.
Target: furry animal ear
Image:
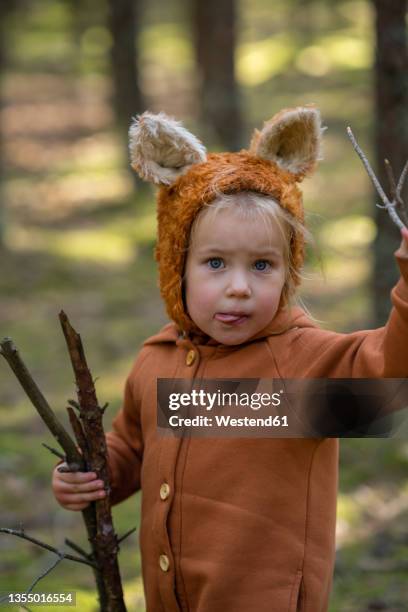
<point>161,149</point>
<point>291,139</point>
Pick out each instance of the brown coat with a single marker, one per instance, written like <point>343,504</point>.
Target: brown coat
<point>244,525</point>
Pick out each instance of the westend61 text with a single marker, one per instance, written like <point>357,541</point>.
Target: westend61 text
<point>206,400</point>
<point>228,421</point>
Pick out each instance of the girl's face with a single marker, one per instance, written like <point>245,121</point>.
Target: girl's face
<point>235,273</point>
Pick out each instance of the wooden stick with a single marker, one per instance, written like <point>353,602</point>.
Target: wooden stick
<point>12,356</point>
<point>24,536</point>
<point>402,178</point>
<point>54,451</point>
<point>105,545</point>
<point>74,458</point>
<point>79,433</point>
<point>126,535</point>
<point>390,206</point>
<point>91,439</point>
<point>77,548</point>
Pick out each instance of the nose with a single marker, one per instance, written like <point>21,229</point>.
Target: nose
<point>238,285</point>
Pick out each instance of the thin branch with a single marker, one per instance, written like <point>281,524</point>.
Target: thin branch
<point>403,213</point>
<point>77,548</point>
<point>11,354</point>
<point>367,166</point>
<point>79,433</point>
<point>47,571</point>
<point>402,208</point>
<point>127,534</point>
<point>74,404</point>
<point>54,451</point>
<point>391,178</point>
<point>396,190</point>
<point>402,179</point>
<point>21,534</point>
<point>390,206</point>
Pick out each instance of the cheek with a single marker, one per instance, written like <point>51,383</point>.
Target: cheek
<point>200,296</point>
<point>199,291</point>
<point>271,292</point>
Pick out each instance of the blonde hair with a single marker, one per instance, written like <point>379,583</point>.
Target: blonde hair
<point>252,205</point>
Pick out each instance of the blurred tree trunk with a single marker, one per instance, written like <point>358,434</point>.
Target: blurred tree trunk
<point>123,22</point>
<point>391,135</point>
<point>5,9</point>
<point>3,13</point>
<point>214,28</point>
<point>2,204</point>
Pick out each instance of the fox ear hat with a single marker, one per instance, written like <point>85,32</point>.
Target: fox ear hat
<point>161,149</point>
<point>292,140</point>
<point>163,152</point>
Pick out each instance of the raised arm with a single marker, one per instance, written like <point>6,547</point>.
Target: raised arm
<point>376,353</point>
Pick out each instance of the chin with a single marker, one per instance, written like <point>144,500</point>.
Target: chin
<point>230,340</point>
<point>235,342</point>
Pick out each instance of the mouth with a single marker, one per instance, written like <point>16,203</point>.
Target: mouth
<point>231,318</point>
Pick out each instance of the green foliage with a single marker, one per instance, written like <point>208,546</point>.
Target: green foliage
<point>79,238</point>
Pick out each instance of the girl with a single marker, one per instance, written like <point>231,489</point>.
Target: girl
<point>237,524</point>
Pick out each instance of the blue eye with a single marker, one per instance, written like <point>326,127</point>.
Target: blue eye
<point>261,265</point>
<point>215,263</point>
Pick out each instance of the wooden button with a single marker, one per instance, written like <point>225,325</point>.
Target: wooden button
<point>191,357</point>
<point>164,563</point>
<point>164,491</point>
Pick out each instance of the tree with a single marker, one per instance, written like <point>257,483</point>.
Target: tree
<point>123,21</point>
<point>2,46</point>
<point>391,134</point>
<point>214,29</point>
<point>5,9</point>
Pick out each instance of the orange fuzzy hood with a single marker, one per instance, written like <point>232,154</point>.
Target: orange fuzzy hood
<point>164,152</point>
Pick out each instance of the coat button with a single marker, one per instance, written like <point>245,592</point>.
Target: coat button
<point>164,491</point>
<point>164,563</point>
<point>191,357</point>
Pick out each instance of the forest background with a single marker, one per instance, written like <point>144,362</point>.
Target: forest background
<point>78,230</point>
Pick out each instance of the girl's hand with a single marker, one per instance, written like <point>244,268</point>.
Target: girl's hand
<point>75,490</point>
<point>403,250</point>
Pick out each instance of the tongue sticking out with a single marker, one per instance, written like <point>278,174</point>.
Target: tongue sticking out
<point>229,318</point>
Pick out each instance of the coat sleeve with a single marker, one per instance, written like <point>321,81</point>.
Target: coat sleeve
<point>125,441</point>
<point>376,353</point>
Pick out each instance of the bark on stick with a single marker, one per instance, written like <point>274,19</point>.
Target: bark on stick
<point>102,538</point>
<point>89,428</point>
